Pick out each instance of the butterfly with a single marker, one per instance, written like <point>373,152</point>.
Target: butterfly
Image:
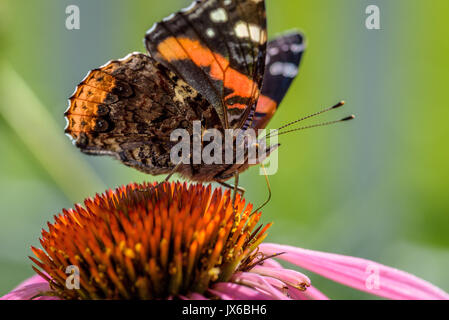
<point>209,63</point>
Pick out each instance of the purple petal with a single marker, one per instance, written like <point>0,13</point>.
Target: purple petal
<point>361,274</point>
<point>29,289</point>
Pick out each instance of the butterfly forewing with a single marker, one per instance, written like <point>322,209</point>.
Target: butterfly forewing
<point>284,55</point>
<point>219,48</point>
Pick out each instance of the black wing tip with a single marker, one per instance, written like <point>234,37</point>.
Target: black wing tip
<point>292,37</point>
<point>292,33</point>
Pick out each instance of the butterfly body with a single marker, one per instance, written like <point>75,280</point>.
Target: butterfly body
<point>209,64</point>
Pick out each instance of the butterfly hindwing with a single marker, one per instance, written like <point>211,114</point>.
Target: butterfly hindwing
<point>128,108</point>
<point>284,55</point>
<point>219,48</point>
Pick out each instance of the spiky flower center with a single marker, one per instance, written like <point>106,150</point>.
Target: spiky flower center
<point>146,242</point>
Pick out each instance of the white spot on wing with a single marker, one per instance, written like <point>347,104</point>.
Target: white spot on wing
<point>273,51</point>
<point>255,32</point>
<point>210,32</point>
<point>288,70</point>
<point>296,48</point>
<point>252,31</point>
<point>219,15</point>
<point>241,30</point>
<point>276,69</point>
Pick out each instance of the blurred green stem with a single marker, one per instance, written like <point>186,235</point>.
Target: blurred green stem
<point>32,122</point>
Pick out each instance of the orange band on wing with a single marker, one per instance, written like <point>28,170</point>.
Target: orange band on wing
<point>266,105</point>
<point>187,49</point>
<point>237,106</point>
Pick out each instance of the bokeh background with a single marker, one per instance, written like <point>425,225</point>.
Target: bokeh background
<point>376,187</point>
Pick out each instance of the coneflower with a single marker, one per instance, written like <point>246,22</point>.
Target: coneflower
<point>179,241</point>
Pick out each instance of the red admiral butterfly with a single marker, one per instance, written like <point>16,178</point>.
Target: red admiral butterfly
<point>210,63</point>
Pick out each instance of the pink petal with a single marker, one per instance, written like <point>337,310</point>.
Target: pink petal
<point>232,291</point>
<point>278,284</point>
<point>256,281</point>
<point>221,295</point>
<point>271,263</point>
<point>290,277</point>
<point>29,289</point>
<point>32,280</point>
<point>196,296</point>
<point>310,294</point>
<point>361,274</point>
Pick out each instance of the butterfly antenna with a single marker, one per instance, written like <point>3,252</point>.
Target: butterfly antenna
<point>336,106</point>
<point>277,133</point>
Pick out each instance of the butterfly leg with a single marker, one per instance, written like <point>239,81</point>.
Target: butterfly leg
<point>173,171</point>
<point>166,178</point>
<point>236,186</point>
<point>230,186</point>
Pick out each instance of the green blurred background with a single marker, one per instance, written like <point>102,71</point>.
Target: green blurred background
<point>376,187</point>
